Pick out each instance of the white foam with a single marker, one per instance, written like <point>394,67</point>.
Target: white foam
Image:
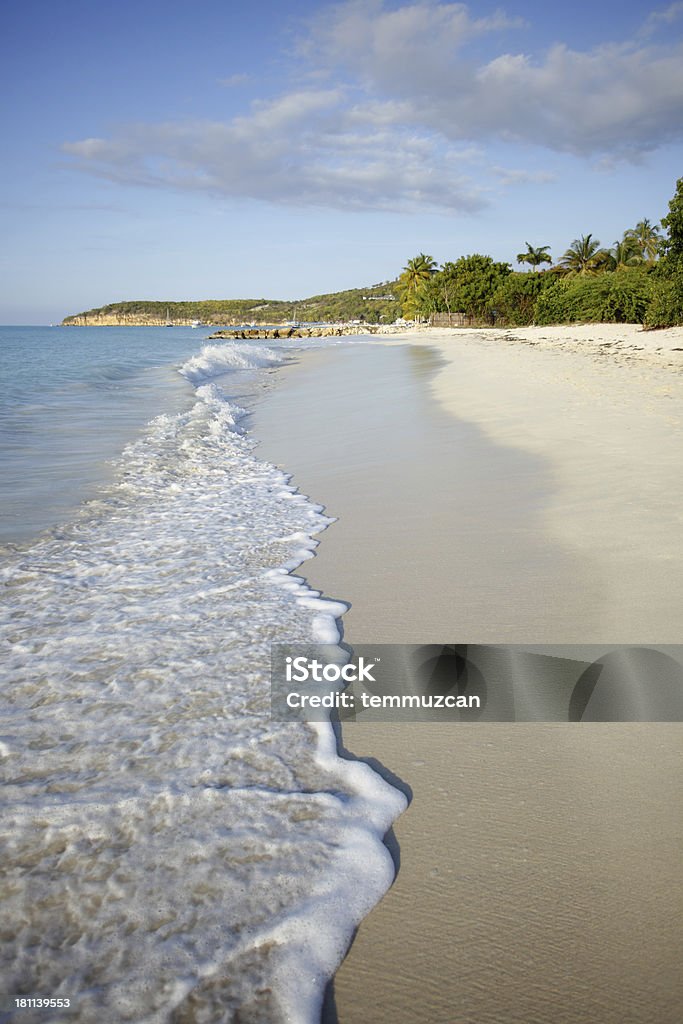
<point>168,844</point>
<point>215,360</point>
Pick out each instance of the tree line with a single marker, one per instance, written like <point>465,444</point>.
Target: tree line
<point>638,280</point>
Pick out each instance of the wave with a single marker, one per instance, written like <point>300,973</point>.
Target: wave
<point>215,360</point>
<point>172,852</point>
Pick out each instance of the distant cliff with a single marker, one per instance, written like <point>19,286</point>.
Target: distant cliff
<point>147,313</point>
<point>377,304</point>
<point>93,318</point>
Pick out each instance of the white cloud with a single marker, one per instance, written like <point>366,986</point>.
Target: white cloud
<point>614,100</point>
<point>412,97</point>
<point>510,176</point>
<point>239,78</point>
<point>304,148</point>
<point>619,98</point>
<point>409,50</point>
<point>657,19</point>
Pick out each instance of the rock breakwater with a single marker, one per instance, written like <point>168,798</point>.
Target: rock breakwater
<point>334,331</point>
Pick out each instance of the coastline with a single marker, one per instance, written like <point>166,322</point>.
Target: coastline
<point>539,870</point>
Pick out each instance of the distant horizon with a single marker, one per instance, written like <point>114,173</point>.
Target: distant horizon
<point>56,321</point>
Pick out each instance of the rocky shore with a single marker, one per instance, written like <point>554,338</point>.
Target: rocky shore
<point>330,331</point>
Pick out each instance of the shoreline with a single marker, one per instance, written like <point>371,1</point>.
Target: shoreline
<point>540,865</point>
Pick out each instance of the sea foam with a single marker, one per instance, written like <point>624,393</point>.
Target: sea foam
<point>214,360</point>
<point>173,854</point>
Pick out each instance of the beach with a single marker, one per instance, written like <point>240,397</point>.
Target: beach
<point>517,486</point>
<point>492,487</point>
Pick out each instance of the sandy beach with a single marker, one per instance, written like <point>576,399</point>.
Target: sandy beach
<point>518,486</point>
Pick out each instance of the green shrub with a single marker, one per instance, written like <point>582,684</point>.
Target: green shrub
<point>515,299</point>
<point>619,297</point>
<point>666,307</point>
<point>628,298</point>
<point>551,304</point>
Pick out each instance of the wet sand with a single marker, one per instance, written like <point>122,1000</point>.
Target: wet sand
<point>492,493</point>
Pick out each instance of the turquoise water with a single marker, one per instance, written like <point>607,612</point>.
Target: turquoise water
<point>72,398</point>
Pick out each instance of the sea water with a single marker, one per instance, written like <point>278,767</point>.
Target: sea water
<point>170,852</point>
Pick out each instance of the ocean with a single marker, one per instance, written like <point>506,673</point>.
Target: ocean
<point>171,853</point>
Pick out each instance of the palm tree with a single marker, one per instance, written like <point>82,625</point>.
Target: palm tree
<point>623,254</point>
<point>646,238</point>
<point>416,274</point>
<point>534,256</point>
<point>584,256</point>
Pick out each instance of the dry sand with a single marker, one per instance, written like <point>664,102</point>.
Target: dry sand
<point>610,429</point>
<point>621,343</point>
<point>491,489</point>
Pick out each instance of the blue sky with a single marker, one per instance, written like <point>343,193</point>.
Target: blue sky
<point>172,150</point>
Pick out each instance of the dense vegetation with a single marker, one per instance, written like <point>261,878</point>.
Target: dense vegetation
<point>638,280</point>
<point>666,306</point>
<point>371,305</point>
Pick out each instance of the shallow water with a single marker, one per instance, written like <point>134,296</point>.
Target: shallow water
<point>171,853</point>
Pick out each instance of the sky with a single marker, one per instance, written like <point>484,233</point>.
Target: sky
<point>172,150</point>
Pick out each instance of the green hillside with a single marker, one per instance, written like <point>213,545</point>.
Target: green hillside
<point>372,305</point>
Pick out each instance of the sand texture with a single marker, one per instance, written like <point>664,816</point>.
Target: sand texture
<point>492,490</point>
